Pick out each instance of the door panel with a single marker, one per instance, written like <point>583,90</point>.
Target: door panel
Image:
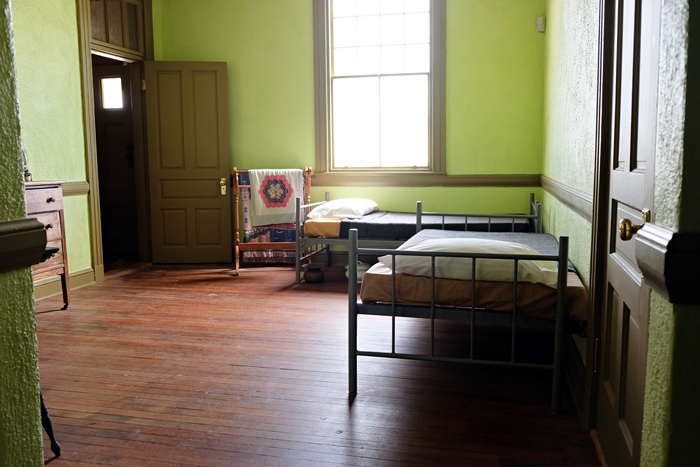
<point>187,119</point>
<point>632,74</point>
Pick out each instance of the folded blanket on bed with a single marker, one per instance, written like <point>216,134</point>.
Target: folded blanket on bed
<point>273,193</point>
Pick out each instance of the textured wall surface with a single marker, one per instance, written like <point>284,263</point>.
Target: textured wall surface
<point>20,425</point>
<point>671,409</point>
<point>570,96</point>
<point>571,68</point>
<point>51,108</point>
<point>494,85</point>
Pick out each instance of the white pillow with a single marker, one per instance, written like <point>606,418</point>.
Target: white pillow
<point>344,207</point>
<point>487,269</point>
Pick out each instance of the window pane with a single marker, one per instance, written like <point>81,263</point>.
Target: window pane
<point>111,93</point>
<point>367,7</point>
<point>418,58</point>
<point>404,121</point>
<point>392,29</point>
<point>345,61</point>
<point>393,59</point>
<point>344,32</point>
<point>368,62</point>
<point>356,122</point>
<point>413,6</point>
<point>132,18</point>
<point>418,28</point>
<point>368,30</point>
<point>343,8</point>
<point>392,6</point>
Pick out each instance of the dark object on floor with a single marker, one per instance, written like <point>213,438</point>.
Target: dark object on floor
<point>313,273</point>
<point>48,427</point>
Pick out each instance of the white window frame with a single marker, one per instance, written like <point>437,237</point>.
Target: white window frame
<point>325,174</point>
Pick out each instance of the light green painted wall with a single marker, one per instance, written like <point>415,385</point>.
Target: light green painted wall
<point>20,422</point>
<point>268,47</point>
<point>571,67</point>
<point>467,199</point>
<point>51,108</point>
<point>495,83</point>
<point>570,99</point>
<point>494,87</point>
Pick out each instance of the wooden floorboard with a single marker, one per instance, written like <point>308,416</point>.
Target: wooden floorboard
<point>194,366</point>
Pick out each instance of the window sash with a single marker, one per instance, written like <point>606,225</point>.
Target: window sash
<point>324,91</point>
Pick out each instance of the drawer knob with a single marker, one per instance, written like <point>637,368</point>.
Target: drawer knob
<point>50,200</point>
<point>48,226</point>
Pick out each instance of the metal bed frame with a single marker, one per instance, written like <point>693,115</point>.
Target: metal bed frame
<point>308,247</point>
<point>433,312</point>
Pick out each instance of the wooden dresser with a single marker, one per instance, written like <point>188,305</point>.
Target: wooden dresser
<point>45,202</point>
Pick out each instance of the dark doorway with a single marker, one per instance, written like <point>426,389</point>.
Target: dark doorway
<point>115,161</point>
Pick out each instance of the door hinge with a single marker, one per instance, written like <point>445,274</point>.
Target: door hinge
<point>143,84</point>
<point>596,355</point>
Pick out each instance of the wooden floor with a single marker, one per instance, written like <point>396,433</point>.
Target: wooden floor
<point>174,366</point>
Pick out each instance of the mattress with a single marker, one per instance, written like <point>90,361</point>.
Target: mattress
<point>388,225</point>
<point>535,300</point>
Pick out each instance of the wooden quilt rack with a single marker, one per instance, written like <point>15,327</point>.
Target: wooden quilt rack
<point>258,246</point>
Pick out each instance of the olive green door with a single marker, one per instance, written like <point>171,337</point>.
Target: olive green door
<point>188,162</point>
<point>632,74</point>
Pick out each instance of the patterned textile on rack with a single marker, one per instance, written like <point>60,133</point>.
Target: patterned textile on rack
<point>272,194</point>
<point>266,233</point>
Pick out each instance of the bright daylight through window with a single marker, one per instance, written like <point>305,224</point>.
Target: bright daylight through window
<point>111,93</point>
<point>380,77</point>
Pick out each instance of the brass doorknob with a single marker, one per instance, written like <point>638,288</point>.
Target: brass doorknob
<point>628,229</point>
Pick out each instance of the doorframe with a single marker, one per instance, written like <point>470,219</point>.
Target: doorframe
<point>90,132</point>
<point>601,191</point>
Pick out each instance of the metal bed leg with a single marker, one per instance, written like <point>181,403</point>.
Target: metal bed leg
<point>352,312</point>
<point>557,378</point>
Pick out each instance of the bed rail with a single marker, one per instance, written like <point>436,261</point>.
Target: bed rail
<point>308,247</point>
<point>534,217</point>
<point>434,312</point>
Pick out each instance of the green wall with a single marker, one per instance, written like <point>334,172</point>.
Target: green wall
<point>20,422</point>
<point>51,106</point>
<point>494,89</point>
<point>571,70</point>
<point>495,83</point>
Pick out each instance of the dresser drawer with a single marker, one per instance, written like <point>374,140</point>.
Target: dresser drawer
<point>52,224</point>
<point>44,199</point>
<point>55,263</point>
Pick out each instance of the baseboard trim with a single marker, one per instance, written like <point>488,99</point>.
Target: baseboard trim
<point>45,288</point>
<point>578,201</point>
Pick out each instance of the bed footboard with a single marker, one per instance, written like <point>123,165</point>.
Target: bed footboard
<point>433,312</point>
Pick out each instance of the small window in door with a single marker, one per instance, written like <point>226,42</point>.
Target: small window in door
<point>111,93</point>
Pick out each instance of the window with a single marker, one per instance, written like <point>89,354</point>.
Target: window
<point>111,93</point>
<point>380,78</point>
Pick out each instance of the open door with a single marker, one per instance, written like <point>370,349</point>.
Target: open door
<point>189,165</point>
<point>627,132</point>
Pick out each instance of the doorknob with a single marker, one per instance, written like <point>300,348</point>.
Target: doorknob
<point>222,185</point>
<point>628,229</point>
